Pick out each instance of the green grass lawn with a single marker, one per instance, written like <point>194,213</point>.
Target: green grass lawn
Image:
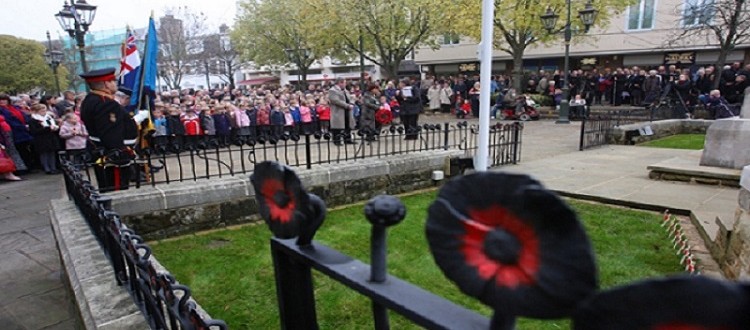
<point>680,141</point>
<point>231,274</point>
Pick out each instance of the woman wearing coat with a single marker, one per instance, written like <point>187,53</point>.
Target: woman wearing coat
<point>433,95</point>
<point>370,104</point>
<point>446,93</point>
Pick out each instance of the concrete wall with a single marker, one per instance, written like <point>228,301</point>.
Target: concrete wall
<point>734,246</point>
<point>178,209</point>
<point>661,128</point>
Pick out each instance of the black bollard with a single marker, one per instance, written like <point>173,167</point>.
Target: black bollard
<point>382,211</point>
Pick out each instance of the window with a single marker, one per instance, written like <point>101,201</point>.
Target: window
<point>697,12</point>
<point>450,39</point>
<point>641,15</point>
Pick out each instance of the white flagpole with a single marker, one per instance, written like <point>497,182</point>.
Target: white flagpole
<point>485,56</point>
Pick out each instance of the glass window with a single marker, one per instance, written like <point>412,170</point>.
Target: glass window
<point>697,12</point>
<point>641,15</point>
<point>450,39</point>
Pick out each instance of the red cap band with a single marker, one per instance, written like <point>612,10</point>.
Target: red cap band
<point>107,77</point>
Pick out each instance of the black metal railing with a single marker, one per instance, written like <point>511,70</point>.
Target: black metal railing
<point>203,157</point>
<point>597,130</point>
<point>164,303</point>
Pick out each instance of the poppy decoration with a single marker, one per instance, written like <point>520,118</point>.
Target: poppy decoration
<point>282,201</point>
<point>515,246</point>
<point>678,303</point>
<point>383,116</point>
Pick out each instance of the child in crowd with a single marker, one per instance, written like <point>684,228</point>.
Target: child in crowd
<point>192,122</point>
<point>207,122</point>
<point>288,120</point>
<point>240,120</point>
<point>294,109</point>
<point>44,129</point>
<point>395,108</point>
<point>175,128</point>
<point>263,119</point>
<point>278,119</point>
<point>306,119</point>
<point>464,110</point>
<point>160,127</point>
<point>222,124</point>
<point>252,115</point>
<point>324,115</point>
<point>75,136</point>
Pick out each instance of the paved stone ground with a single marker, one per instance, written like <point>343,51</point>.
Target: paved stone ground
<point>32,295</point>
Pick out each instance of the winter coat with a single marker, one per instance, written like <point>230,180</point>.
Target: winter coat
<point>263,117</point>
<point>192,125</point>
<point>174,125</point>
<point>240,118</point>
<point>160,126</point>
<point>324,113</point>
<point>45,137</point>
<point>17,121</point>
<point>221,124</point>
<point>410,105</point>
<point>340,111</point>
<point>277,118</point>
<point>370,105</point>
<point>75,136</point>
<point>305,114</point>
<point>296,115</point>
<point>445,95</point>
<point>433,95</point>
<point>207,124</point>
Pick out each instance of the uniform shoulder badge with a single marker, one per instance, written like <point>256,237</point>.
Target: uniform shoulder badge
<point>112,117</point>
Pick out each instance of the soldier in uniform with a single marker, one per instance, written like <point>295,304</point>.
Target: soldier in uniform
<point>111,130</point>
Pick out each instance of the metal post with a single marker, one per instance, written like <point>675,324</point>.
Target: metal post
<point>308,154</point>
<point>81,43</point>
<point>485,55</point>
<point>564,104</point>
<point>294,289</point>
<point>53,64</point>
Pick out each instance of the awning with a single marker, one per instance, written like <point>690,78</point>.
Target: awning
<point>258,81</point>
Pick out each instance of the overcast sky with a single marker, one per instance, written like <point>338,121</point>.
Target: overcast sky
<point>31,19</point>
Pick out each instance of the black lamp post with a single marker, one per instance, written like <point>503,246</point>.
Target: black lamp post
<point>298,55</point>
<point>76,19</point>
<point>549,21</point>
<point>53,58</point>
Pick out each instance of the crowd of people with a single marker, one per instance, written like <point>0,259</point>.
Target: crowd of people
<point>35,128</point>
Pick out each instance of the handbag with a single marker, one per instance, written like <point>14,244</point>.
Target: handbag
<point>6,164</point>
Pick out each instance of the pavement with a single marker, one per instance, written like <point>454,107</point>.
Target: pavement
<point>33,296</point>
<point>32,293</point>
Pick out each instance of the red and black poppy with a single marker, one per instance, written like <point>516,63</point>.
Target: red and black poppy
<point>679,303</point>
<point>281,199</point>
<point>514,245</point>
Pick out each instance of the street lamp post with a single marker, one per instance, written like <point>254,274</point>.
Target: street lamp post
<point>549,20</point>
<point>298,55</point>
<point>53,58</point>
<point>76,19</point>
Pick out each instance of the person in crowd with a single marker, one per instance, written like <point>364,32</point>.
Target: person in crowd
<point>175,127</point>
<point>288,119</point>
<point>370,105</point>
<point>306,117</point>
<point>9,157</point>
<point>737,92</point>
<point>75,135</point>
<point>651,88</point>
<point>636,82</point>
<point>342,108</point>
<point>464,110</point>
<point>44,129</point>
<point>222,124</point>
<point>68,100</point>
<point>446,94</point>
<point>433,95</point>
<point>474,98</point>
<point>718,107</point>
<point>578,107</point>
<point>324,115</point>
<point>19,130</point>
<point>411,105</point>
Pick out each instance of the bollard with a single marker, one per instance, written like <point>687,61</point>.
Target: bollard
<point>382,211</point>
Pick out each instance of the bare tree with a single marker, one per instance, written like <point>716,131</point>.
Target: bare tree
<point>722,23</point>
<point>218,49</point>
<point>180,31</point>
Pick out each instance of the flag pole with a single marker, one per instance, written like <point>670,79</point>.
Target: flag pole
<point>142,76</point>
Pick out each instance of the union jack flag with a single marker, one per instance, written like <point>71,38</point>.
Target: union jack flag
<point>130,62</point>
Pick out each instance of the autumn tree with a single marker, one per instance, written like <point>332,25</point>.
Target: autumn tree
<point>179,32</point>
<point>278,32</point>
<point>390,29</point>
<point>23,68</point>
<point>518,25</point>
<point>715,23</point>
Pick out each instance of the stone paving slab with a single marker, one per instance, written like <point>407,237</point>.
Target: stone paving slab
<point>32,294</point>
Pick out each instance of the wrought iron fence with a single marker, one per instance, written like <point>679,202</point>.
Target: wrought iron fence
<point>164,303</point>
<point>202,157</point>
<point>596,130</point>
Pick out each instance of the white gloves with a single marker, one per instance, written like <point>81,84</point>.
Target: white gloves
<point>140,116</point>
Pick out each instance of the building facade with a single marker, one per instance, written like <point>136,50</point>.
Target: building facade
<point>640,36</point>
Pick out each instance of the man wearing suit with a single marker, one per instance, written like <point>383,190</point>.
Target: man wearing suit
<point>342,119</point>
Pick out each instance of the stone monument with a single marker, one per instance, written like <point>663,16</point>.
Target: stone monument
<point>727,140</point>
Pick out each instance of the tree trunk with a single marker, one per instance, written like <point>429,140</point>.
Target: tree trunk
<point>517,70</point>
<point>390,69</point>
<point>303,78</point>
<point>723,53</point>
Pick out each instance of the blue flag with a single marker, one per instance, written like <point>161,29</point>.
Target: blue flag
<point>147,70</point>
